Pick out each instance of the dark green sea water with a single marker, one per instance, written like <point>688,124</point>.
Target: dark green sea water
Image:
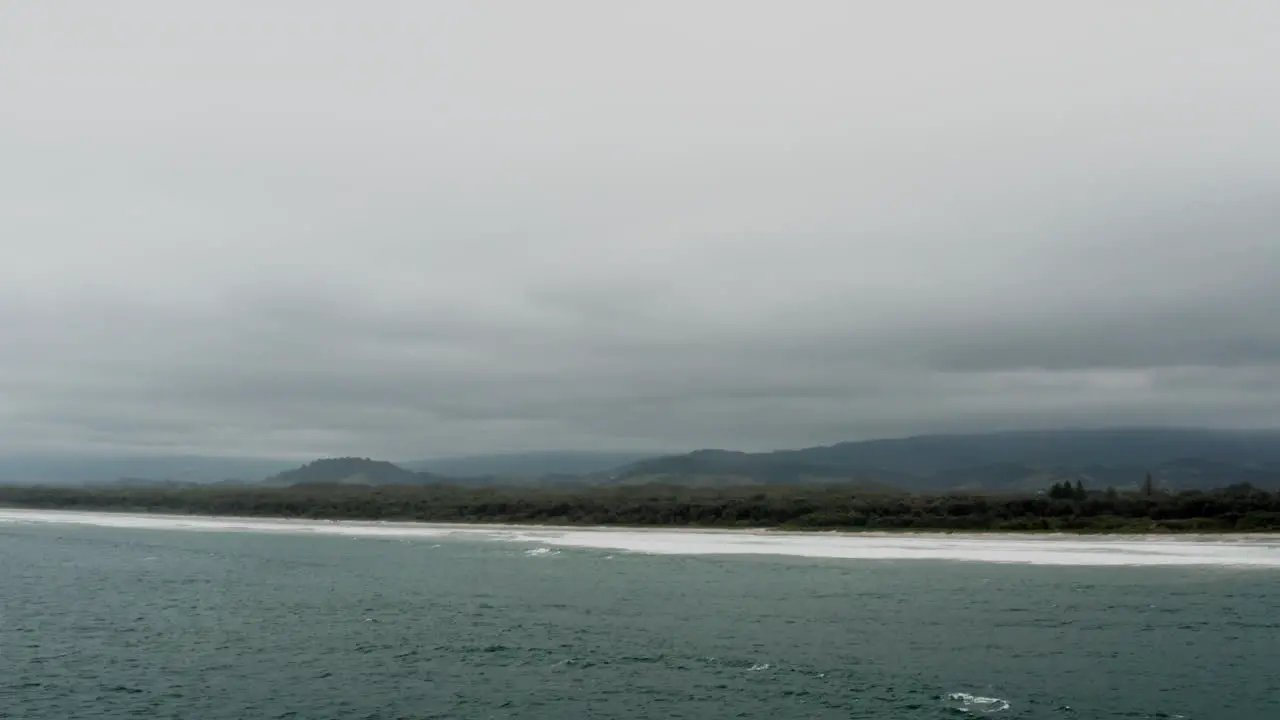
<point>119,623</point>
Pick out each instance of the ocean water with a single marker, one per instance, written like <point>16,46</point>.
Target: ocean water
<point>113,616</point>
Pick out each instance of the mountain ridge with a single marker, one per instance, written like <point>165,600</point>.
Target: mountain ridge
<point>1010,461</point>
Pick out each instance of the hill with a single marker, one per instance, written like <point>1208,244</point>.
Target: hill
<point>1178,458</point>
<point>349,471</point>
<point>995,462</point>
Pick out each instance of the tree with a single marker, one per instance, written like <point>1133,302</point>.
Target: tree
<point>1080,493</point>
<point>1063,491</point>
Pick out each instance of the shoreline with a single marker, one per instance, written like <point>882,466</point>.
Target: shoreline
<point>780,508</point>
<point>778,531</point>
<point>1244,551</point>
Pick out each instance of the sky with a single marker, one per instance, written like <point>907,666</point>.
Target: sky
<point>417,228</point>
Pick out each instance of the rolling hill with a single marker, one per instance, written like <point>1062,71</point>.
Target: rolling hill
<point>1178,458</point>
<point>997,462</point>
<point>349,471</point>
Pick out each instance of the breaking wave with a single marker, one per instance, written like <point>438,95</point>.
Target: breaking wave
<point>976,704</point>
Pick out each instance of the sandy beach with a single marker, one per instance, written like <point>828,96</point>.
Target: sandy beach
<point>1238,550</point>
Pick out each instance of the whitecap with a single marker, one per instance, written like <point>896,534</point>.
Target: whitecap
<point>977,704</point>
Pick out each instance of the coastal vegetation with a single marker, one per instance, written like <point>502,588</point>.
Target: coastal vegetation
<point>1069,508</point>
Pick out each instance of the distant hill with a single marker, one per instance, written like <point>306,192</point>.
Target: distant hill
<point>554,468</point>
<point>1030,461</point>
<point>348,471</point>
<point>1178,458</point>
<point>527,465</point>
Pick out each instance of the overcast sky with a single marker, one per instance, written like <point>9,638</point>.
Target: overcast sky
<point>408,229</point>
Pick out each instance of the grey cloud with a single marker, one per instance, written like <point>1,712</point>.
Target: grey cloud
<point>423,228</point>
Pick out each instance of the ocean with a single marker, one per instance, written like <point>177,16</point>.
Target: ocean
<point>119,616</point>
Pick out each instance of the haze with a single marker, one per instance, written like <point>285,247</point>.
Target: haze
<point>406,229</point>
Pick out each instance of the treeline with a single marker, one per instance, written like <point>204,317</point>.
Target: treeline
<point>1239,508</point>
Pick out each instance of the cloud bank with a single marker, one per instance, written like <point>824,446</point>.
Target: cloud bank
<point>410,229</point>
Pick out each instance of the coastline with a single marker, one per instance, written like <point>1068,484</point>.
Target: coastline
<point>780,531</point>
<point>1244,550</point>
<point>779,508</point>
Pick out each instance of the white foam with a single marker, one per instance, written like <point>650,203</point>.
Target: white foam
<point>1234,550</point>
<point>978,704</point>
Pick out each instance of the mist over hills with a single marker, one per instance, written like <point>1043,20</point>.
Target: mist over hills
<point>510,469</point>
<point>528,465</point>
<point>171,469</point>
<point>996,462</point>
<point>197,470</point>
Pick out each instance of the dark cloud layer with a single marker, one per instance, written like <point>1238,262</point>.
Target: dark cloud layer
<point>410,229</point>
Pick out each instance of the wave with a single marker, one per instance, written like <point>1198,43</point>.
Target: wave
<point>1238,551</point>
<point>976,703</point>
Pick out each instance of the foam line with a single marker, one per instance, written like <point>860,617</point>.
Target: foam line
<point>1133,550</point>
